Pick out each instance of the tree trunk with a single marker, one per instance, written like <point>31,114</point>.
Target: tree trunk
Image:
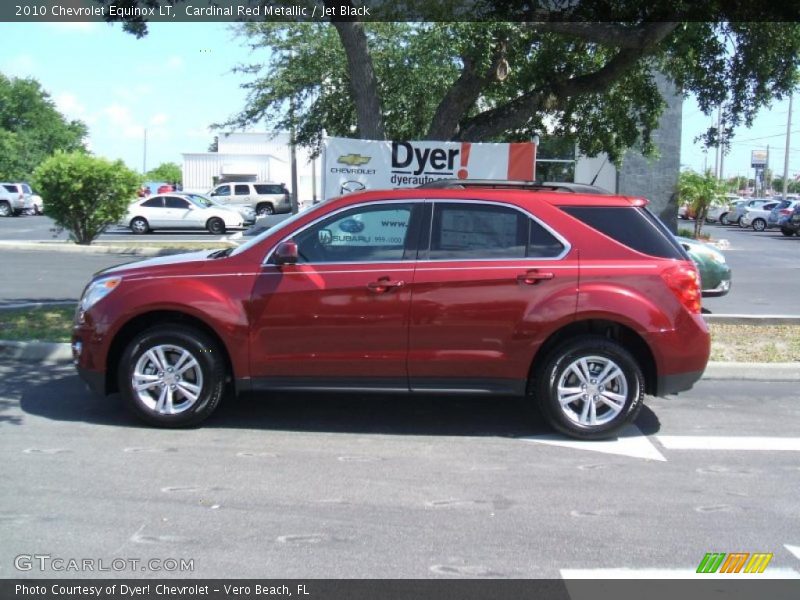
<point>363,82</point>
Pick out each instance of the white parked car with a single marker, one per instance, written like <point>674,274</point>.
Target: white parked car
<point>757,217</point>
<point>180,211</point>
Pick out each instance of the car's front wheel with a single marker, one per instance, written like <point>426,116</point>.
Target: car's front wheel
<point>589,388</point>
<point>172,376</point>
<point>759,224</point>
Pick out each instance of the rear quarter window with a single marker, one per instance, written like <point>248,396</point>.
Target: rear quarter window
<point>635,227</point>
<point>268,189</point>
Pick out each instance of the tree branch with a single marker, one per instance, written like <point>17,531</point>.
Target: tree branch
<point>461,96</point>
<point>515,114</point>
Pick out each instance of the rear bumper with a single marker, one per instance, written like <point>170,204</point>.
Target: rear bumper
<point>679,382</point>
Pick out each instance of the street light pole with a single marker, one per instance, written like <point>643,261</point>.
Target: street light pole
<point>144,153</point>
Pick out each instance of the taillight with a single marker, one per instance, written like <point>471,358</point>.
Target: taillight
<point>684,281</point>
<point>786,211</point>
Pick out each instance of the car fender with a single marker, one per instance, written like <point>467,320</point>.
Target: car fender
<point>216,301</point>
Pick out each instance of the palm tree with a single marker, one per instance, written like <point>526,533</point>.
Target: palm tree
<point>699,192</point>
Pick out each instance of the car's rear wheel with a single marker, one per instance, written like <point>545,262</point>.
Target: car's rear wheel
<point>216,226</point>
<point>759,224</point>
<point>140,225</point>
<point>787,232</point>
<point>723,219</point>
<point>262,210</point>
<point>589,388</point>
<point>172,376</point>
<point>5,209</point>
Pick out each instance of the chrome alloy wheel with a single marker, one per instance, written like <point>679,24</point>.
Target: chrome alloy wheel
<point>592,390</point>
<point>167,379</point>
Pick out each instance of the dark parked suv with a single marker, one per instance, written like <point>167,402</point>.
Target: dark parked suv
<point>581,302</point>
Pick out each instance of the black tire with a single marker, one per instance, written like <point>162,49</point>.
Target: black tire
<point>759,225</point>
<point>723,219</point>
<point>5,209</point>
<point>557,365</point>
<point>265,209</point>
<point>216,226</point>
<point>209,362</point>
<point>787,232</point>
<point>139,225</point>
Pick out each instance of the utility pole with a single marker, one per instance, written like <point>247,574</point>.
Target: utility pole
<point>716,154</point>
<point>144,153</point>
<point>786,157</point>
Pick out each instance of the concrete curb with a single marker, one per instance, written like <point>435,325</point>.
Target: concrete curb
<point>757,320</point>
<point>35,351</point>
<point>60,352</point>
<point>111,249</point>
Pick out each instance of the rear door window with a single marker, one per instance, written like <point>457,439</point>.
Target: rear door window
<point>154,202</point>
<point>471,231</point>
<point>175,202</point>
<point>241,190</point>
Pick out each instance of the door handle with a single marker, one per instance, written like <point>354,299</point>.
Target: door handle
<point>384,284</point>
<point>534,276</point>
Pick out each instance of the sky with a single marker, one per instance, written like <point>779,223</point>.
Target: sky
<point>178,80</point>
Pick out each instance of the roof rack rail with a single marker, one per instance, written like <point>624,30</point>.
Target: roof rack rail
<point>550,186</point>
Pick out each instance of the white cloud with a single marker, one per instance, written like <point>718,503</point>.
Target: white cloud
<point>174,63</point>
<point>159,119</point>
<point>203,133</point>
<point>123,121</point>
<point>70,106</point>
<point>21,65</point>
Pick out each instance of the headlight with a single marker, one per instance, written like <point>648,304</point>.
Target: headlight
<point>98,290</point>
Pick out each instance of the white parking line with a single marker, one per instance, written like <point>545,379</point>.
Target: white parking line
<point>689,442</point>
<point>793,549</point>
<point>630,442</point>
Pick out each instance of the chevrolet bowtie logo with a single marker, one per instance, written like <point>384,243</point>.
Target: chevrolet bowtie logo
<point>354,160</point>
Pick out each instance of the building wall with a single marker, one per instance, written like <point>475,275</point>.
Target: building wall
<point>657,178</point>
<point>653,178</point>
<point>265,156</point>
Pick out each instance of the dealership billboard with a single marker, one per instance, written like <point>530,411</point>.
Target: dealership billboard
<point>758,159</point>
<point>352,165</point>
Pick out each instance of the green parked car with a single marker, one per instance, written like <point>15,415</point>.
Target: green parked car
<point>715,274</point>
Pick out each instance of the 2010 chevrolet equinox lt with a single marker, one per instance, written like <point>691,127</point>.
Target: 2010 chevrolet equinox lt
<point>581,302</point>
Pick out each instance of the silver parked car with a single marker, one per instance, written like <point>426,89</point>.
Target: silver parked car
<point>740,208</point>
<point>180,211</point>
<point>15,199</point>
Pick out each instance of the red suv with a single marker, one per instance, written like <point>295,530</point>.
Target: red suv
<point>581,302</point>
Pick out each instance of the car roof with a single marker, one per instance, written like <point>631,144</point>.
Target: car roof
<point>516,196</point>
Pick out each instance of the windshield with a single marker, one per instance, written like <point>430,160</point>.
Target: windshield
<point>200,201</point>
<point>260,237</point>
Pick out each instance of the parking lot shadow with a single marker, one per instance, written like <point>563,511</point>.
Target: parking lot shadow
<point>56,392</point>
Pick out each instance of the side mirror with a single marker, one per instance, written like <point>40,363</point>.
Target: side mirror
<point>286,253</point>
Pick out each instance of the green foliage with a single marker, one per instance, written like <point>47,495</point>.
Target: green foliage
<point>31,129</point>
<point>84,194</point>
<point>699,192</point>
<point>417,64</point>
<point>169,172</point>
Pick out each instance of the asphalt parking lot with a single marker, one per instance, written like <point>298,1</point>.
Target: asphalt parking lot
<point>357,486</point>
